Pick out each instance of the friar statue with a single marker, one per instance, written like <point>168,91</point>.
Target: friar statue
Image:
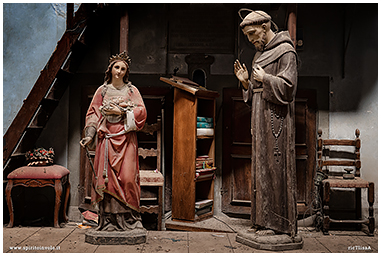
<point>270,90</point>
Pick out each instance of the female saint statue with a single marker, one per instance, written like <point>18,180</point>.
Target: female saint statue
<point>116,112</point>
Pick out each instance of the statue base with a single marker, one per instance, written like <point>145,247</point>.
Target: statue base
<point>135,236</point>
<point>270,242</point>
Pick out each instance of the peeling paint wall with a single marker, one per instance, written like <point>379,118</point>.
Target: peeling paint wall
<point>30,34</point>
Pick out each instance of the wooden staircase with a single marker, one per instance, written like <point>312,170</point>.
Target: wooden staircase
<point>49,88</point>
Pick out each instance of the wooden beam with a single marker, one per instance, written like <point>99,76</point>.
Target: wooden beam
<point>124,31</point>
<point>35,96</point>
<point>69,15</point>
<point>291,25</point>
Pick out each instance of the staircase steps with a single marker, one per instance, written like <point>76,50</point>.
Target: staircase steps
<point>46,93</point>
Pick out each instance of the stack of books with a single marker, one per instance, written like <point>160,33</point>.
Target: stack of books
<point>204,162</point>
<point>204,167</point>
<point>204,122</point>
<point>203,206</point>
<point>205,126</point>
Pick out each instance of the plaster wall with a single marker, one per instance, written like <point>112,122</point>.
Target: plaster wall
<point>346,51</point>
<point>30,34</point>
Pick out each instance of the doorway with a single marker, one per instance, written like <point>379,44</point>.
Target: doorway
<point>236,172</point>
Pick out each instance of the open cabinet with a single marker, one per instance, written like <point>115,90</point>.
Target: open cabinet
<point>193,151</point>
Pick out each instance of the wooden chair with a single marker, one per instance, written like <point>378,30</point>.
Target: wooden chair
<point>40,176</point>
<point>151,180</point>
<point>336,162</point>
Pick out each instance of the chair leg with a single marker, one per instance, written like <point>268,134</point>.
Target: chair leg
<point>160,213</point>
<point>326,197</point>
<point>371,224</point>
<point>358,207</point>
<point>8,194</point>
<point>58,189</point>
<point>66,219</point>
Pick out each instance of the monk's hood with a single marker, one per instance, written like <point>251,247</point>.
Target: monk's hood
<point>279,45</point>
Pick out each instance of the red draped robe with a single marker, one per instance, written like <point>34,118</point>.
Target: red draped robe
<point>121,161</point>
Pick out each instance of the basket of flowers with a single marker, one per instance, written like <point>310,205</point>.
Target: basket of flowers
<point>40,157</point>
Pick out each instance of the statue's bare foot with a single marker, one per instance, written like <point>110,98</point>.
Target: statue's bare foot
<point>139,224</point>
<point>106,227</point>
<point>265,232</point>
<point>252,230</point>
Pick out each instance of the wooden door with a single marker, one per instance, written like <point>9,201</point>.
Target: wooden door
<point>305,147</point>
<point>236,171</point>
<point>236,165</point>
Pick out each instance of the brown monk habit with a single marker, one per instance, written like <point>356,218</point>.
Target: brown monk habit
<point>273,172</point>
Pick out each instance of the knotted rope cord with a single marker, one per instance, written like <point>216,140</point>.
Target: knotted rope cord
<point>276,134</point>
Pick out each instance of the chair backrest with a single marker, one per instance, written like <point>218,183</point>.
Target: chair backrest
<point>343,153</point>
<point>143,151</point>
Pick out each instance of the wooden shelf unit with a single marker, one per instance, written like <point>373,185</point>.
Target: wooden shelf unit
<point>190,102</point>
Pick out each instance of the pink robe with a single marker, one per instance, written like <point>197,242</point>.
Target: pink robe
<point>122,161</point>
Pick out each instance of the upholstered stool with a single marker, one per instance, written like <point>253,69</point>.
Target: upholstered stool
<point>40,176</point>
<point>152,179</point>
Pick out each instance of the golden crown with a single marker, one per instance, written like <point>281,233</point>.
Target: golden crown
<point>121,56</point>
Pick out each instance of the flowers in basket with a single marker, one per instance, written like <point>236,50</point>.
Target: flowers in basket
<point>40,156</point>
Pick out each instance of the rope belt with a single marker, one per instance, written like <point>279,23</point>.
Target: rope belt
<point>129,125</point>
<point>257,90</point>
<point>107,137</point>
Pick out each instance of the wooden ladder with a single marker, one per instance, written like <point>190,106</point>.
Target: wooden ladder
<point>49,88</point>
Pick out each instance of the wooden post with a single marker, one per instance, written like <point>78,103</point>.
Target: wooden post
<point>291,25</point>
<point>69,15</point>
<point>124,26</point>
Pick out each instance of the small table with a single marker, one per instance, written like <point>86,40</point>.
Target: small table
<point>40,176</point>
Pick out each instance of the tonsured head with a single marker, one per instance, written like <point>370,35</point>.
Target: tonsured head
<point>255,26</point>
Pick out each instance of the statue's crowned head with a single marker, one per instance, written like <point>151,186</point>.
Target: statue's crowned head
<point>123,56</point>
